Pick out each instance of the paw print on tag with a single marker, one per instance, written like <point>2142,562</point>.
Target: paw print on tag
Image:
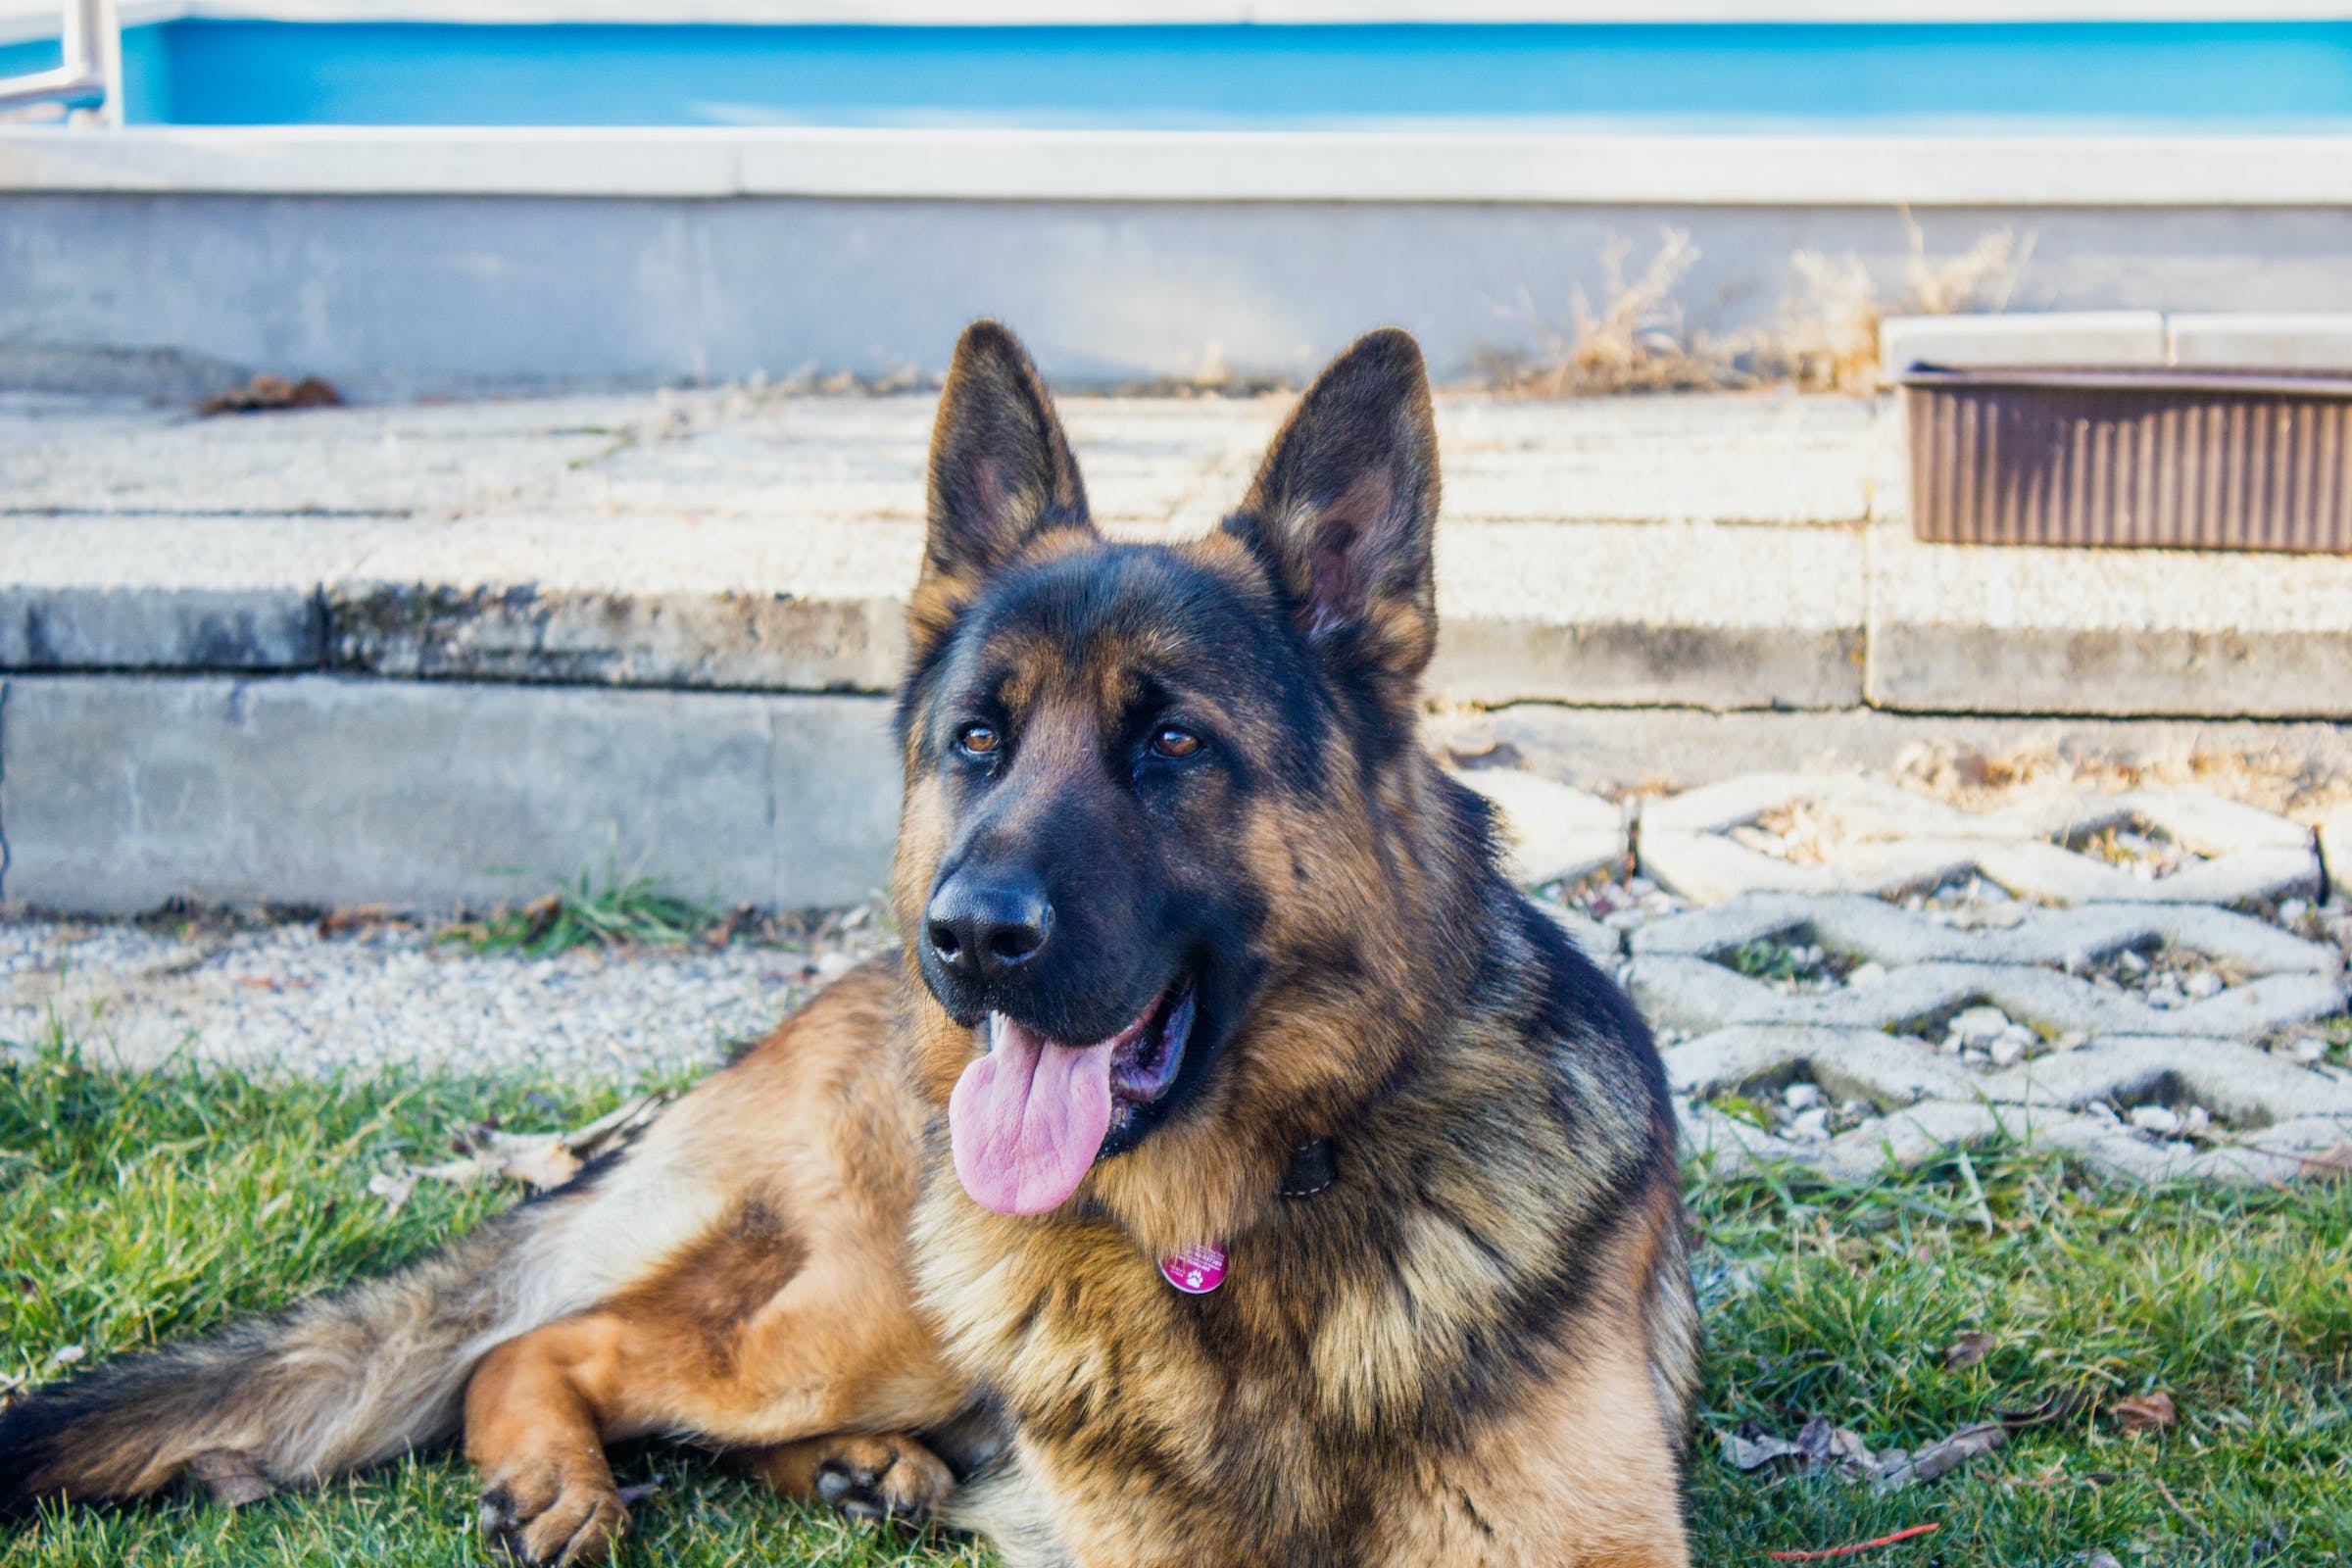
<point>1195,1271</point>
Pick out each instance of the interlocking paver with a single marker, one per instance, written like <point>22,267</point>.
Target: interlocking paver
<point>1823,834</point>
<point>2235,1082</point>
<point>2261,1156</point>
<point>1554,832</point>
<point>1847,1064</point>
<point>1695,993</point>
<point>1891,934</point>
<point>2335,850</point>
<point>2096,1052</point>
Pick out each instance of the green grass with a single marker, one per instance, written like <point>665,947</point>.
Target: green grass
<point>135,1208</point>
<point>585,914</point>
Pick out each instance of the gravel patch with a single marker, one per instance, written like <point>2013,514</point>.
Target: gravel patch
<point>1970,902</point>
<point>287,997</point>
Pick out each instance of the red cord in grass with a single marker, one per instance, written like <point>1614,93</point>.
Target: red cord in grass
<point>1859,1545</point>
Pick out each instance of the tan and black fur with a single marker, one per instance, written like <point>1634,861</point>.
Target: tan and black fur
<point>1476,1346</point>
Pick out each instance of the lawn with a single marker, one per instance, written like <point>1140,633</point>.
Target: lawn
<point>139,1209</point>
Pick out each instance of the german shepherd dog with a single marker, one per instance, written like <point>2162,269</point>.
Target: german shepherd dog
<point>1233,1169</point>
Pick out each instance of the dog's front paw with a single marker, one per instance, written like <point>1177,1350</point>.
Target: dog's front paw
<point>882,1478</point>
<point>552,1517</point>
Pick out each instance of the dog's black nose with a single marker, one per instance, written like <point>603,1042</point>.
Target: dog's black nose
<point>983,926</point>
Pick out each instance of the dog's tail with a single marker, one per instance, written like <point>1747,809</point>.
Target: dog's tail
<point>336,1383</point>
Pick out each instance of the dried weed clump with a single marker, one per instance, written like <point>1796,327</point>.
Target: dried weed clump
<point>1635,341</point>
<point>1825,340</point>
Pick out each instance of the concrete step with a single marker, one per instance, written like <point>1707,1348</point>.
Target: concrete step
<point>768,545</point>
<point>454,652</point>
<point>1717,552</point>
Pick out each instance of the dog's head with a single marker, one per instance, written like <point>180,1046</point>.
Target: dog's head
<point>1150,871</point>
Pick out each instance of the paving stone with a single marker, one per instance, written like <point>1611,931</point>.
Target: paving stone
<point>1740,458</point>
<point>322,460</point>
<point>2335,852</point>
<point>2236,1083</point>
<point>1555,832</point>
<point>1695,993</point>
<point>1901,1139</point>
<point>83,592</point>
<point>1908,1134</point>
<point>1619,613</point>
<point>697,601</point>
<point>1863,836</point>
<point>1970,629</point>
<point>1891,935</point>
<point>1603,945</point>
<point>1847,1063</point>
<point>811,459</point>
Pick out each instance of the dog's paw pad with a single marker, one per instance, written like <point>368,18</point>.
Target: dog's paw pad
<point>883,1478</point>
<point>553,1524</point>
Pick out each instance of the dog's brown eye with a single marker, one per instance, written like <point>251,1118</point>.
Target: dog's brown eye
<point>977,738</point>
<point>1170,740</point>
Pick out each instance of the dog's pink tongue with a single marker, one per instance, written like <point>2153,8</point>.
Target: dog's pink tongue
<point>1028,1118</point>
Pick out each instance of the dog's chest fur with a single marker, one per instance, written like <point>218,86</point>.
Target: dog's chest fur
<point>1364,1339</point>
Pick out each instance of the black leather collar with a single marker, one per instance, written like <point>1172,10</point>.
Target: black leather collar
<point>1309,1171</point>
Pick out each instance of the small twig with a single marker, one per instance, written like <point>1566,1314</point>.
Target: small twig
<point>1859,1545</point>
<point>2191,1519</point>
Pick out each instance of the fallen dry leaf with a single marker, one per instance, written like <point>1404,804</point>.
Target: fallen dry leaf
<point>1821,1445</point>
<point>265,392</point>
<point>2146,1412</point>
<point>340,922</point>
<point>1941,1456</point>
<point>1967,1351</point>
<point>231,1478</point>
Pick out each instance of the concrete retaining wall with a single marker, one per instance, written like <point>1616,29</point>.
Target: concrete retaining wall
<point>118,794</point>
<point>392,295</point>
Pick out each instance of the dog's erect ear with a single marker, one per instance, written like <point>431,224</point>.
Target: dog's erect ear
<point>1344,510</point>
<point>1002,471</point>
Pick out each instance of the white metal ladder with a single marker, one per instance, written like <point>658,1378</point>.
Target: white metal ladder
<point>92,41</point>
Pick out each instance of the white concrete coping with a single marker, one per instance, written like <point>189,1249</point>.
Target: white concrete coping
<point>1001,164</point>
<point>2137,339</point>
<point>33,19</point>
<point>2265,340</point>
<point>2053,338</point>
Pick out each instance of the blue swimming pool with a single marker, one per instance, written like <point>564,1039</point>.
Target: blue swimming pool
<point>2206,78</point>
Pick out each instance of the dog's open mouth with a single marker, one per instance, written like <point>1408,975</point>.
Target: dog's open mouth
<point>1028,1119</point>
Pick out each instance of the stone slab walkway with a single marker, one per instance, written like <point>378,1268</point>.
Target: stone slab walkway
<point>1724,552</point>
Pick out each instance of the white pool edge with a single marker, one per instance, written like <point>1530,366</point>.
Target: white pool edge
<point>37,19</point>
<point>1631,169</point>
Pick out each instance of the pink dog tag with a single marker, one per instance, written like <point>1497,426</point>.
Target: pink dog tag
<point>1195,1271</point>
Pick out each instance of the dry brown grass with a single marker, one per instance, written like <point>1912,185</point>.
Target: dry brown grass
<point>2300,787</point>
<point>1635,341</point>
<point>1827,339</point>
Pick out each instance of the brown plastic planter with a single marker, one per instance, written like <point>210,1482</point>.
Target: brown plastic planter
<point>2203,460</point>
